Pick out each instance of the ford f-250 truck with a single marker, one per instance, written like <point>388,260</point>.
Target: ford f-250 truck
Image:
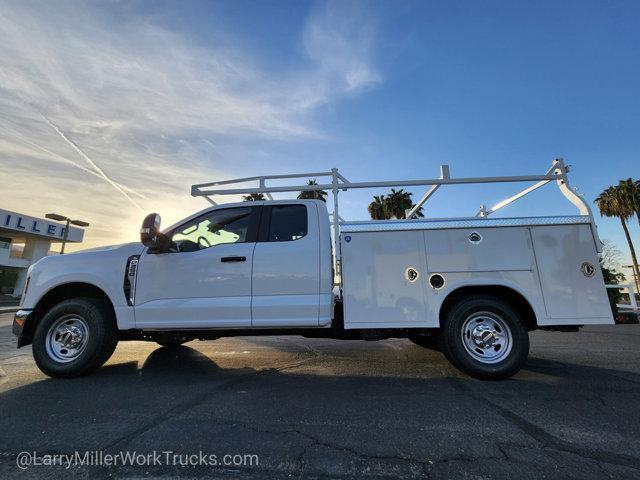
<point>472,287</point>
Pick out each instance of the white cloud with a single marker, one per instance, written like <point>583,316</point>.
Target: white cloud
<point>339,38</point>
<point>98,113</point>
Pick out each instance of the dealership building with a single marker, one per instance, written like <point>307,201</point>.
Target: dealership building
<point>25,240</point>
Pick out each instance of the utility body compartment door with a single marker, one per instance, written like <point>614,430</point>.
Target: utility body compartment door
<point>570,275</point>
<point>380,290</point>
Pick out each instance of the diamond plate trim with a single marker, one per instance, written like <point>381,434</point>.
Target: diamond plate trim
<point>392,225</point>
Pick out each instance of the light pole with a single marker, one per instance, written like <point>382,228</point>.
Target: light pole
<point>62,218</point>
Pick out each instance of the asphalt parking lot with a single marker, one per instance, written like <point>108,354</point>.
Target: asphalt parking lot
<point>331,409</point>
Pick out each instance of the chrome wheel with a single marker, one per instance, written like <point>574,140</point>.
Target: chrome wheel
<point>486,337</point>
<point>67,338</point>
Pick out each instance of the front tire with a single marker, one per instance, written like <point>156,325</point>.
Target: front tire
<point>74,338</point>
<point>485,337</point>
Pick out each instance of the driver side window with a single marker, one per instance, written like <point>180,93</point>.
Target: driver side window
<point>229,225</point>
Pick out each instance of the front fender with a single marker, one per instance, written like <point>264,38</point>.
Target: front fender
<point>103,269</point>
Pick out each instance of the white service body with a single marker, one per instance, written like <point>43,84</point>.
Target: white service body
<point>539,258</point>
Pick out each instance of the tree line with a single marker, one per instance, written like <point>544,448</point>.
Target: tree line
<point>383,207</point>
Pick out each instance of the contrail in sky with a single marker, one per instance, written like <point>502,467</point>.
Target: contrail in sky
<point>75,164</point>
<point>91,162</point>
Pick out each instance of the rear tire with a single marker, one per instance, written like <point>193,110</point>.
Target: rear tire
<point>74,338</point>
<point>485,337</point>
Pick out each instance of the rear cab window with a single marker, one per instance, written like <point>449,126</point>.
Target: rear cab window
<point>285,223</point>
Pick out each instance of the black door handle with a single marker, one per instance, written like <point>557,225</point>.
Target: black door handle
<point>233,259</point>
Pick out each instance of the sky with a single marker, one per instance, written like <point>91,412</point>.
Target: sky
<point>111,110</point>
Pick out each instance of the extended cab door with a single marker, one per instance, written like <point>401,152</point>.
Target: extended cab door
<point>204,280</point>
<point>286,267</point>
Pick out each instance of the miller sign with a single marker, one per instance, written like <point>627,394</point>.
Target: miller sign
<point>37,226</point>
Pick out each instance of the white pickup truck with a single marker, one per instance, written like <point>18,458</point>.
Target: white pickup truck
<point>473,287</point>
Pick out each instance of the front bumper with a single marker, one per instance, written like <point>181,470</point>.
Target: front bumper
<point>20,319</point>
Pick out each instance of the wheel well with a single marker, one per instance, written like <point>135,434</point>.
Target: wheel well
<point>59,294</point>
<point>515,299</point>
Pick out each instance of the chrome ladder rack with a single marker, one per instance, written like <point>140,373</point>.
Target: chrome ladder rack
<point>558,173</point>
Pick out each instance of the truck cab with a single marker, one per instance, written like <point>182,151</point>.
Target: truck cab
<point>253,264</point>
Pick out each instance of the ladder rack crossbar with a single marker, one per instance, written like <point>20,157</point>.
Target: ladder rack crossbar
<point>202,190</point>
<point>261,177</point>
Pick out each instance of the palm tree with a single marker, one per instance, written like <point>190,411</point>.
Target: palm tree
<point>614,202</point>
<point>630,192</point>
<point>637,201</point>
<point>392,205</point>
<point>313,194</point>
<point>253,197</point>
<point>397,202</point>
<point>377,209</point>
